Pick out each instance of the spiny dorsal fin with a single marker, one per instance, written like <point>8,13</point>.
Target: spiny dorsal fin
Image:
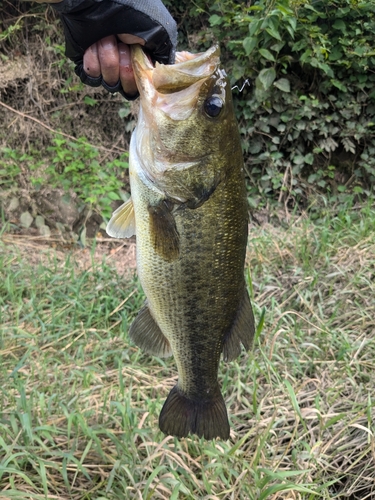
<point>164,234</point>
<point>242,331</point>
<point>122,223</point>
<point>146,334</point>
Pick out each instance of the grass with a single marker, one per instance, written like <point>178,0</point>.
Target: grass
<point>79,404</point>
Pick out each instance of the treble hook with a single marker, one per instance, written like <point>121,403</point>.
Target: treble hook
<point>246,82</point>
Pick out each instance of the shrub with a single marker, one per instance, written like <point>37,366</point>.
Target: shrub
<point>308,119</point>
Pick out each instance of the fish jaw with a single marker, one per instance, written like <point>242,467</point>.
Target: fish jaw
<point>169,79</point>
<point>172,90</point>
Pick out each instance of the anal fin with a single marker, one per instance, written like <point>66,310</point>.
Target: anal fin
<point>146,334</point>
<point>181,416</point>
<point>242,330</point>
<point>122,223</point>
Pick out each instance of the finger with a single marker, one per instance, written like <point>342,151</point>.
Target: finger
<point>91,63</point>
<point>130,39</point>
<point>109,59</point>
<point>126,70</point>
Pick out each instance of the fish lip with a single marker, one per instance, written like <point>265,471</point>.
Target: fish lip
<point>166,79</point>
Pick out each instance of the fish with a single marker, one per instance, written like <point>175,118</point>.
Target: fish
<point>188,209</point>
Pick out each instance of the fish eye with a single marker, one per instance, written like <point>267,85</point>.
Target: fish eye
<point>213,106</point>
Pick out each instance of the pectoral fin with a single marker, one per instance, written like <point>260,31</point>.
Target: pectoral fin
<point>146,334</point>
<point>242,330</point>
<point>163,230</point>
<point>122,223</point>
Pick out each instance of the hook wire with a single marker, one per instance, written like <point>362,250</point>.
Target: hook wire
<point>245,83</point>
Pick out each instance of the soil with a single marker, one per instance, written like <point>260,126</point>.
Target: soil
<point>36,250</point>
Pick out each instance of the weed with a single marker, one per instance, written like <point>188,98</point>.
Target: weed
<point>72,166</point>
<point>79,403</point>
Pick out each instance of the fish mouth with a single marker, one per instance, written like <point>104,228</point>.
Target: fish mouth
<point>173,89</point>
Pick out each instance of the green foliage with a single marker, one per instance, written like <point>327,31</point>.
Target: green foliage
<point>308,119</point>
<point>75,166</point>
<point>11,30</point>
<point>70,84</point>
<point>10,169</point>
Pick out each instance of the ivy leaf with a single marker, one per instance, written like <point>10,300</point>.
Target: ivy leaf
<point>260,94</point>
<point>293,22</point>
<point>255,147</point>
<point>335,54</point>
<point>283,84</point>
<point>254,27</point>
<point>266,77</point>
<point>290,30</point>
<point>309,159</point>
<point>327,70</point>
<point>339,85</point>
<point>339,25</point>
<point>266,54</point>
<point>249,44</point>
<point>215,20</point>
<point>113,196</point>
<point>298,160</point>
<point>277,46</point>
<point>273,26</point>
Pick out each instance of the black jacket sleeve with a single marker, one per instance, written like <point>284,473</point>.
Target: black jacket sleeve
<point>87,21</point>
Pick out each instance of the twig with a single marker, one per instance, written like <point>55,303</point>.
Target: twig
<point>57,132</point>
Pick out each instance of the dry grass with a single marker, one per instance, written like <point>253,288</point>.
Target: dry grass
<point>79,404</point>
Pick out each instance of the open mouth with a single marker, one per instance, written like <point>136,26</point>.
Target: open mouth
<point>166,79</point>
<point>173,89</point>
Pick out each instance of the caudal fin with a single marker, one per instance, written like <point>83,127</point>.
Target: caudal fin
<point>181,416</point>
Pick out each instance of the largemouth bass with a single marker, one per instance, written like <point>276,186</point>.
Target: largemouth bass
<point>188,209</point>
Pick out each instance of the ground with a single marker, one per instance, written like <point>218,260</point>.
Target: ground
<point>38,249</point>
<point>80,403</point>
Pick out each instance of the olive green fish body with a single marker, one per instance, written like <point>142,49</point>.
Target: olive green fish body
<point>191,225</point>
<point>194,298</point>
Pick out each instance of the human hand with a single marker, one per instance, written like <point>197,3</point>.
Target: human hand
<point>110,58</point>
<point>98,34</point>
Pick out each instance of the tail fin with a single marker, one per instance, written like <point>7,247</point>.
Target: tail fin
<point>206,418</point>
